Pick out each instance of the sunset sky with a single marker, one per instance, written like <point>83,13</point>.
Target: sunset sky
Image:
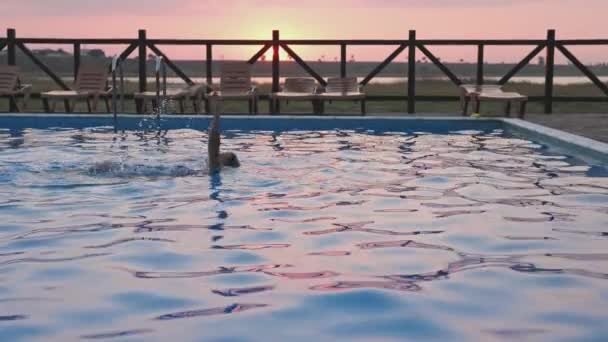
<point>315,19</point>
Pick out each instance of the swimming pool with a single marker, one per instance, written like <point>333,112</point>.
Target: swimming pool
<point>340,229</point>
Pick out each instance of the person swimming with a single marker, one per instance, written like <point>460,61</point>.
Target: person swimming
<point>216,159</point>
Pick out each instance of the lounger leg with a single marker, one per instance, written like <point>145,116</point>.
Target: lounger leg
<point>477,105</point>
<point>465,106</point>
<point>12,104</point>
<point>45,105</point>
<point>16,103</point>
<point>508,109</point>
<point>522,109</point>
<point>89,106</point>
<point>68,108</point>
<point>195,106</point>
<point>24,101</point>
<point>13,100</point>
<point>107,101</point>
<point>95,103</point>
<point>138,105</point>
<point>207,107</point>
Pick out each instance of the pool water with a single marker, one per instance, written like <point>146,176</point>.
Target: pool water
<point>334,235</point>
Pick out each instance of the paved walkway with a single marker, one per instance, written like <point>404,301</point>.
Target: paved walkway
<point>594,126</point>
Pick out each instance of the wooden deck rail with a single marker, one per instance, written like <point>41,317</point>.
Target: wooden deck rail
<point>412,44</point>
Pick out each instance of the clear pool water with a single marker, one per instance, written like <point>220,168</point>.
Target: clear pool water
<point>333,235</point>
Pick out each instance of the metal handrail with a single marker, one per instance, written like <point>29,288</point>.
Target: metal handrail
<point>117,66</point>
<point>161,69</point>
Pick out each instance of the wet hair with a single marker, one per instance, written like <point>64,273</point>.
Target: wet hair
<point>229,159</point>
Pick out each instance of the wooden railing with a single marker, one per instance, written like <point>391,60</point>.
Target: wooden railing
<point>412,45</point>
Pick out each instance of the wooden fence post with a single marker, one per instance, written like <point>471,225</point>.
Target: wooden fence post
<point>142,60</point>
<point>276,76</point>
<point>76,60</point>
<point>143,50</point>
<point>343,60</point>
<point>12,58</point>
<point>480,62</point>
<point>411,74</point>
<point>208,71</point>
<point>549,71</point>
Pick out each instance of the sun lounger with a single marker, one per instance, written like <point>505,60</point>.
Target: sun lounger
<point>11,87</point>
<point>235,84</point>
<point>295,89</point>
<point>342,89</point>
<point>477,93</point>
<point>91,86</point>
<point>195,93</point>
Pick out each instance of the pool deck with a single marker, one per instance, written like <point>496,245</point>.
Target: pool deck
<point>593,126</point>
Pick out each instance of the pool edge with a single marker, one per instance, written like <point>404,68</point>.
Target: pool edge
<point>597,150</point>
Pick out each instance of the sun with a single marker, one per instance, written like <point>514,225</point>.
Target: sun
<point>283,56</point>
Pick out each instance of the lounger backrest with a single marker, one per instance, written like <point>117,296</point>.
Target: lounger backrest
<point>480,88</point>
<point>300,85</point>
<point>92,78</point>
<point>235,77</point>
<point>9,77</point>
<point>342,85</point>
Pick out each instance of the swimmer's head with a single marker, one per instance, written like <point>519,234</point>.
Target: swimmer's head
<point>229,159</point>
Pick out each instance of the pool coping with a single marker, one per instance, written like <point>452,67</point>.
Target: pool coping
<point>598,151</point>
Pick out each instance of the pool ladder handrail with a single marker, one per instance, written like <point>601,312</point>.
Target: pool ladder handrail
<point>117,66</point>
<point>161,70</point>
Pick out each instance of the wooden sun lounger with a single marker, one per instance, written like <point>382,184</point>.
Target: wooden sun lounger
<point>11,87</point>
<point>235,84</point>
<point>91,86</point>
<point>194,92</point>
<point>295,89</point>
<point>477,93</point>
<point>342,89</point>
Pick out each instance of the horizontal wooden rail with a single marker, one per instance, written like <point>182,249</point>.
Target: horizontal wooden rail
<point>582,41</point>
<point>342,41</point>
<point>497,42</point>
<point>96,41</point>
<point>208,41</point>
